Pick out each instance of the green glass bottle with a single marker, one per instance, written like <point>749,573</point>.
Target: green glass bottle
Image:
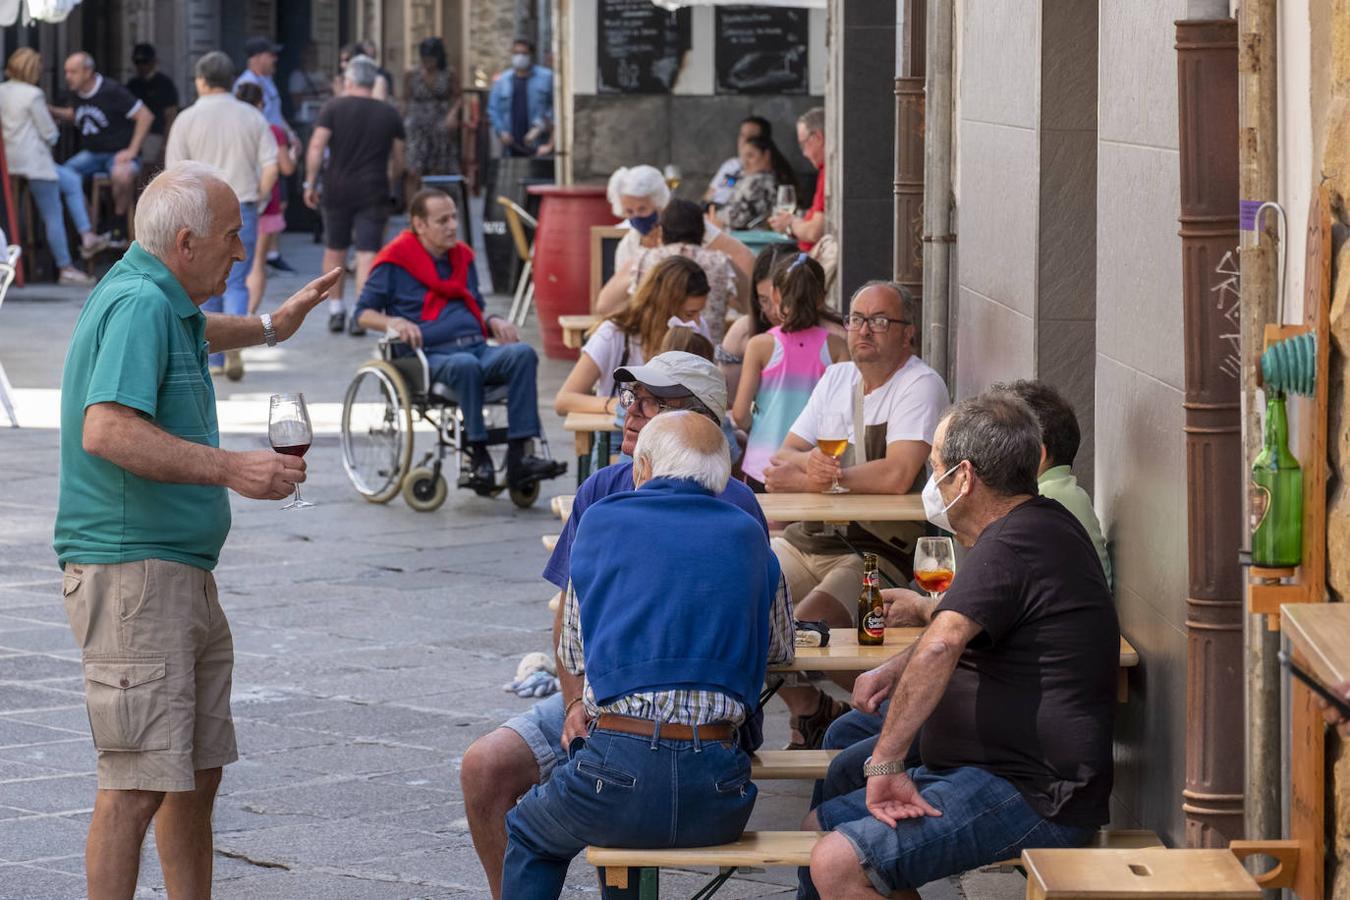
<point>1277,494</point>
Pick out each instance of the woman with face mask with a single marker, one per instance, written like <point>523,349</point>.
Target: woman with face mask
<point>639,195</point>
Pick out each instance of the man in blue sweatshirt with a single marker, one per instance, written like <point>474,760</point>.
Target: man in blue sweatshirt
<point>505,763</point>
<point>674,616</point>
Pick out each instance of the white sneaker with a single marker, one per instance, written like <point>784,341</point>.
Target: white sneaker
<point>75,277</point>
<point>234,365</point>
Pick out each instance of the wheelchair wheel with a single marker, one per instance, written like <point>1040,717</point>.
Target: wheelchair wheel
<point>524,497</point>
<point>424,490</point>
<point>377,436</point>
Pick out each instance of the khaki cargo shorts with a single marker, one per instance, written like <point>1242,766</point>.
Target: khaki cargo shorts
<point>158,660</point>
<point>836,574</point>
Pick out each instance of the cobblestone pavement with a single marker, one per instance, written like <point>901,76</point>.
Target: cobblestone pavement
<point>371,646</point>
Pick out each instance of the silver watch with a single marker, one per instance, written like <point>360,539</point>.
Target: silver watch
<point>269,333</point>
<point>894,767</point>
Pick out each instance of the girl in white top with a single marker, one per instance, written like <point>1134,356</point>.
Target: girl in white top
<point>675,289</point>
<point>29,133</point>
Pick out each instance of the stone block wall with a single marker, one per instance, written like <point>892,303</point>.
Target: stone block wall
<point>492,27</point>
<point>696,133</point>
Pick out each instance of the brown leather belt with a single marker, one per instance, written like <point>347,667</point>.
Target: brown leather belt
<point>713,731</point>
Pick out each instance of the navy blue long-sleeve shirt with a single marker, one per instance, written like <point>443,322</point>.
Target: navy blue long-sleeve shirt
<point>394,292</point>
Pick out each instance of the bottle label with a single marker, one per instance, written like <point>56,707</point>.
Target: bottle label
<point>1260,505</point>
<point>875,623</point>
<point>871,579</point>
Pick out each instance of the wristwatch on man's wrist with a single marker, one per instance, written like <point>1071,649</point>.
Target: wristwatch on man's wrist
<point>269,333</point>
<point>894,767</point>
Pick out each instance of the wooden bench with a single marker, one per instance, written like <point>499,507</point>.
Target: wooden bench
<point>587,428</point>
<point>1057,874</point>
<point>575,328</point>
<point>562,506</point>
<point>550,541</point>
<point>787,765</point>
<point>762,849</point>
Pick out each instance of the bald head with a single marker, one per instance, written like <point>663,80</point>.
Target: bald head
<point>684,445</point>
<point>79,71</point>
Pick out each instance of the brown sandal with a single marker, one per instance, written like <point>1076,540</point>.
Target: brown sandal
<point>811,729</point>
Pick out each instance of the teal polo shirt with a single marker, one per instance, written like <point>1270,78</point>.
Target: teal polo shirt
<point>139,342</point>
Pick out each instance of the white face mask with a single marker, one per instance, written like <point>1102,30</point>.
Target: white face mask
<point>933,506</point>
<point>520,61</point>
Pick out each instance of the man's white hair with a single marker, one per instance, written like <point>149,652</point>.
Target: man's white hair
<point>174,200</point>
<point>668,447</point>
<point>639,181</point>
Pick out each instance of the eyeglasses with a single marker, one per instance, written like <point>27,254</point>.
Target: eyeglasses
<point>647,407</point>
<point>879,324</point>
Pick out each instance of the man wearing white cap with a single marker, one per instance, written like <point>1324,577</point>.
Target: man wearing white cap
<point>502,765</point>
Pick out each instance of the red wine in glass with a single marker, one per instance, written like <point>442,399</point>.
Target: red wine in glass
<point>289,432</point>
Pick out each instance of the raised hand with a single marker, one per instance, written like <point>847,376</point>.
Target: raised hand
<point>289,316</point>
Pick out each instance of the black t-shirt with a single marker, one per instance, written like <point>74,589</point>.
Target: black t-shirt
<point>364,130</point>
<point>157,93</point>
<point>102,119</point>
<point>1033,697</point>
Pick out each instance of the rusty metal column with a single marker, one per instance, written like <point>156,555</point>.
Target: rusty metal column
<point>1207,93</point>
<point>909,125</point>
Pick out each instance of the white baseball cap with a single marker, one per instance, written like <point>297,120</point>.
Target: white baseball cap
<point>676,373</point>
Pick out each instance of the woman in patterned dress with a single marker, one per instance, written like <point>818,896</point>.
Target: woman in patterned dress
<point>432,116</point>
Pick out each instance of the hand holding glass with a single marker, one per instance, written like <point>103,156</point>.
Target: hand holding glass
<point>290,433</point>
<point>786,203</point>
<point>934,564</point>
<point>833,441</point>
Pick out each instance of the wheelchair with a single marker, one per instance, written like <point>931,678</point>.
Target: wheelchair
<point>388,395</point>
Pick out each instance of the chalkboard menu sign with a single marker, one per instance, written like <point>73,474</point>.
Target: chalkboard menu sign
<point>640,47</point>
<point>761,50</point>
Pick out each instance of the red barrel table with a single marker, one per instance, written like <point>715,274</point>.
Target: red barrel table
<point>562,256</point>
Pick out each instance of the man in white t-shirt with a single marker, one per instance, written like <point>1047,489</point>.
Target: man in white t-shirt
<point>902,401</point>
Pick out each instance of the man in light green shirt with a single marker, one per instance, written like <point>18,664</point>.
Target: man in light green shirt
<point>142,513</point>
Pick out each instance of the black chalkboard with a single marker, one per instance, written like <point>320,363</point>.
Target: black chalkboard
<point>640,47</point>
<point>762,50</point>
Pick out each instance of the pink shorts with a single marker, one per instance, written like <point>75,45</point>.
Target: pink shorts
<point>272,223</point>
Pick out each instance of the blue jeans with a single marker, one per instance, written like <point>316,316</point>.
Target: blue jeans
<point>619,790</point>
<point>468,370</point>
<point>47,196</point>
<point>234,302</point>
<point>88,162</point>
<point>984,819</point>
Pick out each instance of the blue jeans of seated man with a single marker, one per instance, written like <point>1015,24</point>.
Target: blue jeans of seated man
<point>984,819</point>
<point>88,162</point>
<point>234,302</point>
<point>470,369</point>
<point>47,196</point>
<point>620,790</point>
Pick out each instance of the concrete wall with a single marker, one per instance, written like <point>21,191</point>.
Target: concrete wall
<point>1141,475</point>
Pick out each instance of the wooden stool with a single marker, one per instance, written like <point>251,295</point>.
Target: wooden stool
<point>1126,874</point>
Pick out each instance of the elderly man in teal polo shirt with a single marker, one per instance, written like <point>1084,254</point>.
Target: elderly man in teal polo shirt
<point>142,515</point>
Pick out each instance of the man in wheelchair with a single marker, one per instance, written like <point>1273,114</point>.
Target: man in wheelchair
<point>423,287</point>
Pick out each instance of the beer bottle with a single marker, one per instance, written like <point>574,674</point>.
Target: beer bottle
<point>1276,494</point>
<point>871,611</point>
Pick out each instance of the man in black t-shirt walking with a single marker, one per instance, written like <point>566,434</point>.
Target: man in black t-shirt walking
<point>158,92</point>
<point>364,139</point>
<point>1013,682</point>
<point>112,125</point>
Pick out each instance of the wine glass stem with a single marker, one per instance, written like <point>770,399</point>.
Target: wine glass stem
<point>297,498</point>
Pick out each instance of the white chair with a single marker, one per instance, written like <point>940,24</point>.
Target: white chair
<point>9,268</point>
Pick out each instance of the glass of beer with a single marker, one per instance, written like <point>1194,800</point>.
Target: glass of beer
<point>934,564</point>
<point>786,200</point>
<point>833,441</point>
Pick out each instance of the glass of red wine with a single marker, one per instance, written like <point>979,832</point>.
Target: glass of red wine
<point>289,431</point>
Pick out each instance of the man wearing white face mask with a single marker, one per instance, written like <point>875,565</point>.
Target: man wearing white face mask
<point>895,399</point>
<point>1013,683</point>
<point>520,105</point>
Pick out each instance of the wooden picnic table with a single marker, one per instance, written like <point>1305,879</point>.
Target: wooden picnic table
<point>842,507</point>
<point>817,507</point>
<point>845,654</point>
<point>586,427</point>
<point>574,329</point>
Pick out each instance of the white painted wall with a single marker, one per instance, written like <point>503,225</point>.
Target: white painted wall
<point>1297,153</point>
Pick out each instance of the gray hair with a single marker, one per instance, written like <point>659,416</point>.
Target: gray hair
<point>1000,437</point>
<point>87,58</point>
<point>216,69</point>
<point>361,71</point>
<point>174,200</point>
<point>637,181</point>
<point>909,307</point>
<point>674,448</point>
<point>813,119</point>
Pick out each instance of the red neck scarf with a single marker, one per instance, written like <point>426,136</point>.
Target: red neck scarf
<point>407,252</point>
